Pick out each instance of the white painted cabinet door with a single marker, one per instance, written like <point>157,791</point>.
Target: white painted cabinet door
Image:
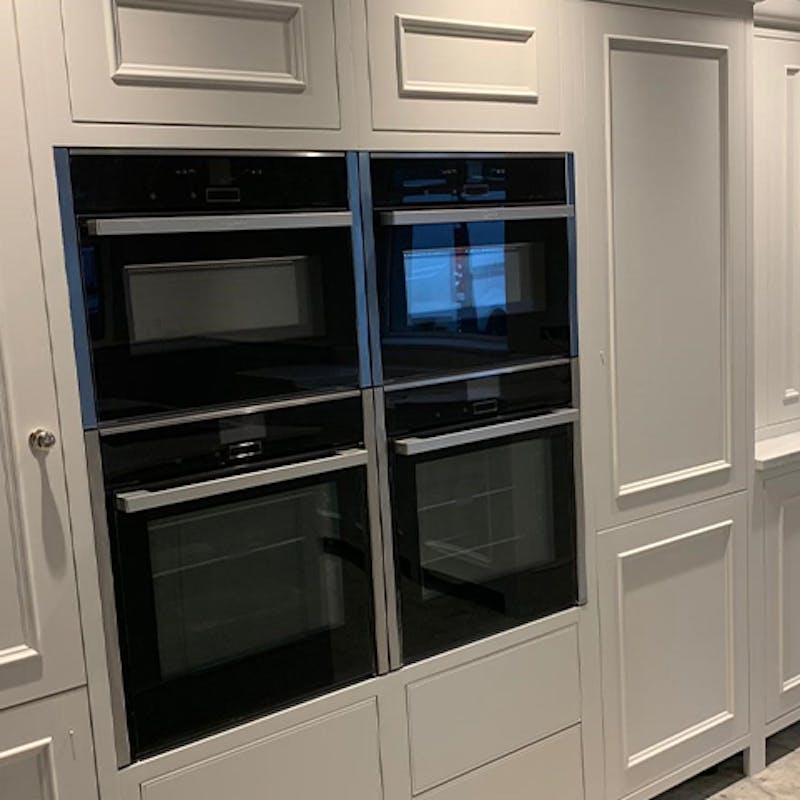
<point>464,65</point>
<point>782,567</point>
<point>40,639</point>
<point>777,237</point>
<point>46,750</point>
<point>256,63</point>
<point>664,252</point>
<point>673,616</point>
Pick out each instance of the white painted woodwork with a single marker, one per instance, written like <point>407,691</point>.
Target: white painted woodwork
<point>464,65</point>
<point>549,769</point>
<point>46,750</point>
<point>777,239</point>
<point>778,451</point>
<point>782,566</point>
<point>259,63</point>
<point>335,757</point>
<point>778,13</point>
<point>673,616</point>
<point>463,718</point>
<point>40,639</point>
<point>667,154</point>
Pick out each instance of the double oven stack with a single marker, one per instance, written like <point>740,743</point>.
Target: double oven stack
<point>330,417</point>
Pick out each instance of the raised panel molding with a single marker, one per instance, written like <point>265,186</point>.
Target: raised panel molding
<point>27,771</point>
<point>16,591</point>
<point>289,15</point>
<point>630,481</point>
<point>459,29</point>
<point>627,560</point>
<point>674,639</point>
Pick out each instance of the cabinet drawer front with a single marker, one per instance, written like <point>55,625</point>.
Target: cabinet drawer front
<point>470,66</point>
<point>226,62</point>
<point>335,756</point>
<point>553,767</point>
<point>474,714</point>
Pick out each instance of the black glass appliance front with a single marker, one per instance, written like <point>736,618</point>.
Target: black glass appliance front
<point>473,259</point>
<point>484,515</point>
<point>214,279</point>
<point>242,575</point>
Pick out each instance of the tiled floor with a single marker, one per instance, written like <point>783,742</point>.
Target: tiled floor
<point>780,780</point>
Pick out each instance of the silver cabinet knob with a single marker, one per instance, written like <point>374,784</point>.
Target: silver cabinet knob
<point>42,439</point>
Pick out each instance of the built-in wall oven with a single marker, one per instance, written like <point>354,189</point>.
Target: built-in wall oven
<point>483,505</point>
<point>242,552</point>
<point>473,261</point>
<point>208,279</point>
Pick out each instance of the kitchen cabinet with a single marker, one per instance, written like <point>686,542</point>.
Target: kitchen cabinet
<point>232,63</point>
<point>46,750</point>
<point>777,239</point>
<point>40,639</point>
<point>673,616</point>
<point>663,248</point>
<point>464,66</point>
<point>781,520</point>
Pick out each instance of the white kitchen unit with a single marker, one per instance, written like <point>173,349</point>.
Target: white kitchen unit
<point>466,66</point>
<point>40,638</point>
<point>231,63</point>
<point>665,242</point>
<point>46,750</point>
<point>781,522</point>
<point>673,616</point>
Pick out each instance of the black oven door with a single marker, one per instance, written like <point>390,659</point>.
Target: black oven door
<point>188,312</point>
<point>468,289</point>
<point>485,530</point>
<point>241,595</point>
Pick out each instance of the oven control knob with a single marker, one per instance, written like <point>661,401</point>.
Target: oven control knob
<point>42,439</point>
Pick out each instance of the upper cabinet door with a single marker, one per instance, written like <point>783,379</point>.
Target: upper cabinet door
<point>777,237</point>
<point>464,65</point>
<point>663,259</point>
<point>253,63</point>
<point>40,639</point>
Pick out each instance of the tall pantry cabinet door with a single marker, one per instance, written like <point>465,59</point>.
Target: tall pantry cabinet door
<point>673,611</point>
<point>46,750</point>
<point>665,245</point>
<point>777,237</point>
<point>254,63</point>
<point>782,563</point>
<point>40,639</point>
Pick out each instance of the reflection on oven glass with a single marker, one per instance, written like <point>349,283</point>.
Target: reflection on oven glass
<point>486,514</point>
<point>267,582</point>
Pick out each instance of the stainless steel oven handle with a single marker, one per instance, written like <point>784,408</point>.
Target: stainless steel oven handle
<point>428,216</point>
<point>418,445</point>
<point>217,223</point>
<point>144,500</point>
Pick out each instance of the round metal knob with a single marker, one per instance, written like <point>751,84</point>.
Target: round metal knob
<point>42,439</point>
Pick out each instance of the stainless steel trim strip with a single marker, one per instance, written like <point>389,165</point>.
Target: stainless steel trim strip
<point>432,155</point>
<point>146,151</point>
<point>433,216</point>
<point>471,376</point>
<point>144,500</point>
<point>392,611</point>
<point>117,428</point>
<point>105,578</point>
<point>217,223</point>
<point>414,446</point>
<point>359,272</point>
<point>376,535</point>
<point>370,263</point>
<point>580,507</point>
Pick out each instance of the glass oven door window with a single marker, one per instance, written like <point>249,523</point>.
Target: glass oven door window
<point>473,294</point>
<point>179,321</point>
<point>485,536</point>
<point>239,605</point>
